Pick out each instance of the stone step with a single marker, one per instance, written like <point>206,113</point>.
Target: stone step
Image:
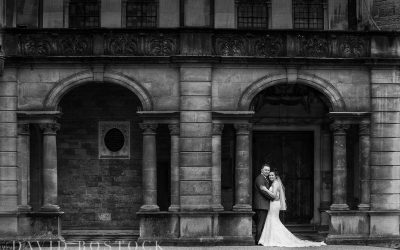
<point>100,235</point>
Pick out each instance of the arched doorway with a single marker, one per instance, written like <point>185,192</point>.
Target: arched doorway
<point>287,128</point>
<point>99,158</point>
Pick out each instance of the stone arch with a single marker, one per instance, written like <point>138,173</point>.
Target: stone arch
<point>55,95</point>
<point>337,103</point>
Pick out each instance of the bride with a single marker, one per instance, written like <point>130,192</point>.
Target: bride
<point>274,232</point>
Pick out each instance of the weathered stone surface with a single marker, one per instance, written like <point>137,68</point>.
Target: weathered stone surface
<point>8,173</point>
<point>8,116</point>
<point>195,187</point>
<point>386,117</point>
<point>195,74</point>
<point>8,158</point>
<point>385,172</point>
<point>384,225</point>
<point>282,15</point>
<point>195,103</point>
<point>196,200</point>
<point>195,173</point>
<point>224,14</point>
<point>349,224</point>
<point>195,88</point>
<point>385,144</point>
<point>193,227</point>
<point>53,13</point>
<point>196,129</point>
<point>385,186</point>
<point>197,13</point>
<point>8,88</point>
<point>385,90</point>
<point>8,144</point>
<point>385,201</point>
<point>385,76</point>
<point>167,11</point>
<point>386,104</point>
<point>195,144</point>
<point>8,187</point>
<point>385,130</point>
<point>385,158</point>
<point>111,14</point>
<point>194,159</point>
<point>8,103</point>
<point>8,203</point>
<point>9,226</point>
<point>235,225</point>
<point>195,116</point>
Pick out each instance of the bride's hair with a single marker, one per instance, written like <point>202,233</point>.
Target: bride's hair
<point>282,191</point>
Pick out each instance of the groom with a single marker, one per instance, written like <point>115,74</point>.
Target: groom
<point>261,199</point>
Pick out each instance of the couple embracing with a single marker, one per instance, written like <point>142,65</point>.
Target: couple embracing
<point>269,199</point>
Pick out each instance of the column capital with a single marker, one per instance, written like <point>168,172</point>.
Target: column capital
<point>174,128</point>
<point>149,128</point>
<point>217,128</point>
<point>243,128</point>
<point>49,128</point>
<point>339,128</point>
<point>364,128</point>
<point>23,128</point>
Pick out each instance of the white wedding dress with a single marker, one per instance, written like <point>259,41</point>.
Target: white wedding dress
<point>275,233</point>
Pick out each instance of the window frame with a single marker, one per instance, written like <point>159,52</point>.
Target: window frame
<point>80,4</point>
<point>253,5</point>
<point>309,3</point>
<point>125,14</point>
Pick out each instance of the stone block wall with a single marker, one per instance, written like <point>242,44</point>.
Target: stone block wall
<point>386,14</point>
<point>93,192</point>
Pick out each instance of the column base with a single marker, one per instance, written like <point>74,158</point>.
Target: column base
<point>339,207</point>
<point>217,208</point>
<point>24,208</point>
<point>149,208</point>
<point>50,208</point>
<point>364,207</point>
<point>174,208</point>
<point>241,208</point>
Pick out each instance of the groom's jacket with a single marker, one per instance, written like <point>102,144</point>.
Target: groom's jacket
<point>261,198</point>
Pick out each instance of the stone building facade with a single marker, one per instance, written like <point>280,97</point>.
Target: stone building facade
<point>154,125</point>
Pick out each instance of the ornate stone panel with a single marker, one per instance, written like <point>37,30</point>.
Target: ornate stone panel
<point>114,140</point>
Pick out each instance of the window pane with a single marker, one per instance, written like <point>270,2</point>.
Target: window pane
<point>141,13</point>
<point>252,14</point>
<point>308,14</point>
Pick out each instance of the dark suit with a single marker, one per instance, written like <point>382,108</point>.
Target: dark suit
<point>260,203</point>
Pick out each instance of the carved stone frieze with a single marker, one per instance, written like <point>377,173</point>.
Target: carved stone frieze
<point>74,45</point>
<point>231,45</point>
<point>313,46</point>
<point>122,44</point>
<point>268,45</point>
<point>161,45</point>
<point>353,46</point>
<point>35,45</point>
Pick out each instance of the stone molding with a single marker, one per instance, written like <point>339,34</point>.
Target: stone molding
<point>49,128</point>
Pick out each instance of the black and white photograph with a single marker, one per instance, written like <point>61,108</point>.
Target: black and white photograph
<point>199,124</point>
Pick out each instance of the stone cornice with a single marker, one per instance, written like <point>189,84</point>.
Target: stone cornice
<point>38,116</point>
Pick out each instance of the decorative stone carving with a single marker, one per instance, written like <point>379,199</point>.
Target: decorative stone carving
<point>161,46</point>
<point>352,46</point>
<point>122,44</point>
<point>231,45</point>
<point>364,129</point>
<point>49,128</point>
<point>242,128</point>
<point>174,129</point>
<point>23,128</point>
<point>268,46</point>
<point>74,45</point>
<point>35,45</point>
<point>217,128</point>
<point>313,46</point>
<point>148,128</point>
<point>339,128</point>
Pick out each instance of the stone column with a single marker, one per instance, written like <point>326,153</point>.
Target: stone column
<point>50,166</point>
<point>242,168</point>
<point>339,167</point>
<point>216,166</point>
<point>174,131</point>
<point>149,168</point>
<point>326,176</point>
<point>23,159</point>
<point>364,156</point>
